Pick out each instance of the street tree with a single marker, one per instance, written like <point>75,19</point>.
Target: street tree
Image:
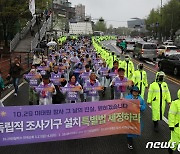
<point>100,25</point>
<point>14,14</point>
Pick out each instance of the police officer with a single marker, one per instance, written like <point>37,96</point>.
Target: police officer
<point>158,95</point>
<point>119,60</point>
<point>174,120</point>
<point>128,65</point>
<point>140,79</point>
<point>111,60</point>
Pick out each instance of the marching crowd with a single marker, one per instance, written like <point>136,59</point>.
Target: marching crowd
<point>82,70</point>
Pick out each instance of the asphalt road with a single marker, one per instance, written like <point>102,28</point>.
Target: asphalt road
<point>115,144</point>
<point>151,69</point>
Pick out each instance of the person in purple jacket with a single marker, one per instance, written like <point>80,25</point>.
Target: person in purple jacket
<point>92,88</point>
<point>72,90</point>
<point>120,84</point>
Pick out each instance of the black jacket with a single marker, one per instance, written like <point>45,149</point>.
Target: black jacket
<point>15,71</point>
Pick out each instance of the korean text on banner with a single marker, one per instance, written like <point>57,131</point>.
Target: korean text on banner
<point>32,124</point>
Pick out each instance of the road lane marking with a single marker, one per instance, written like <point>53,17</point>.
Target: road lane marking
<point>11,92</point>
<point>151,70</point>
<point>151,63</point>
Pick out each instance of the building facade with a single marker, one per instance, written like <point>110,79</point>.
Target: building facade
<point>60,2</point>
<point>80,12</point>
<point>80,28</point>
<point>137,24</point>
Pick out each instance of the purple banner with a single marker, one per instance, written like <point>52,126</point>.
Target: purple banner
<point>104,71</point>
<point>112,74</point>
<point>68,89</point>
<point>32,124</point>
<point>79,71</point>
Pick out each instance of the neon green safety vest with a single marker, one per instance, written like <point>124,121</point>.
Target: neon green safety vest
<point>140,80</point>
<point>174,120</point>
<point>158,95</point>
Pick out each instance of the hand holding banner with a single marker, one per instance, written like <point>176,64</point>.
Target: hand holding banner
<point>32,124</point>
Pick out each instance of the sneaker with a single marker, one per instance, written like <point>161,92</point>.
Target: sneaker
<point>15,94</point>
<point>130,147</point>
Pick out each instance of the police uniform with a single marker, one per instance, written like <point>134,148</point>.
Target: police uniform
<point>174,121</point>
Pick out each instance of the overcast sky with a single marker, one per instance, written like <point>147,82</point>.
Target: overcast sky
<point>118,10</point>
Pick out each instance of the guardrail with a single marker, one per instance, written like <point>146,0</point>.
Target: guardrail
<point>15,41</point>
<point>22,34</point>
<point>27,27</point>
<point>45,27</point>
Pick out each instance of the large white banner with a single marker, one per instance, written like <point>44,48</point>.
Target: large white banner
<point>32,6</point>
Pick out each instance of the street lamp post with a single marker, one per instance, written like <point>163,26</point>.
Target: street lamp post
<point>172,26</point>
<point>161,21</point>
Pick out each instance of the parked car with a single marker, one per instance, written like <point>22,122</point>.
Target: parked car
<point>170,63</point>
<point>145,50</point>
<point>130,45</point>
<point>155,41</point>
<point>168,42</point>
<point>164,50</point>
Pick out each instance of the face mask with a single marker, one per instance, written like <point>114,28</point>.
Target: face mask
<point>33,70</point>
<point>140,67</point>
<point>126,59</point>
<point>161,78</point>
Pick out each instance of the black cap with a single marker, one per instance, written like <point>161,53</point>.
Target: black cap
<point>121,70</point>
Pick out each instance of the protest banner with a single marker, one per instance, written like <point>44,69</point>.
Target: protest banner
<point>32,124</point>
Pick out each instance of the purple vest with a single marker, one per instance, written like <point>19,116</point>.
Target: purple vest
<point>43,93</point>
<point>103,71</point>
<point>72,95</point>
<point>119,84</point>
<point>90,88</point>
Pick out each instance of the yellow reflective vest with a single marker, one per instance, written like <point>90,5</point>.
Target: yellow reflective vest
<point>174,120</point>
<point>129,69</point>
<point>158,96</point>
<point>140,80</point>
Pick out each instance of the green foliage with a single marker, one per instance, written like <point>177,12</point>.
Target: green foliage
<point>170,21</point>
<point>14,15</point>
<point>100,25</point>
<point>122,31</point>
<point>11,13</point>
